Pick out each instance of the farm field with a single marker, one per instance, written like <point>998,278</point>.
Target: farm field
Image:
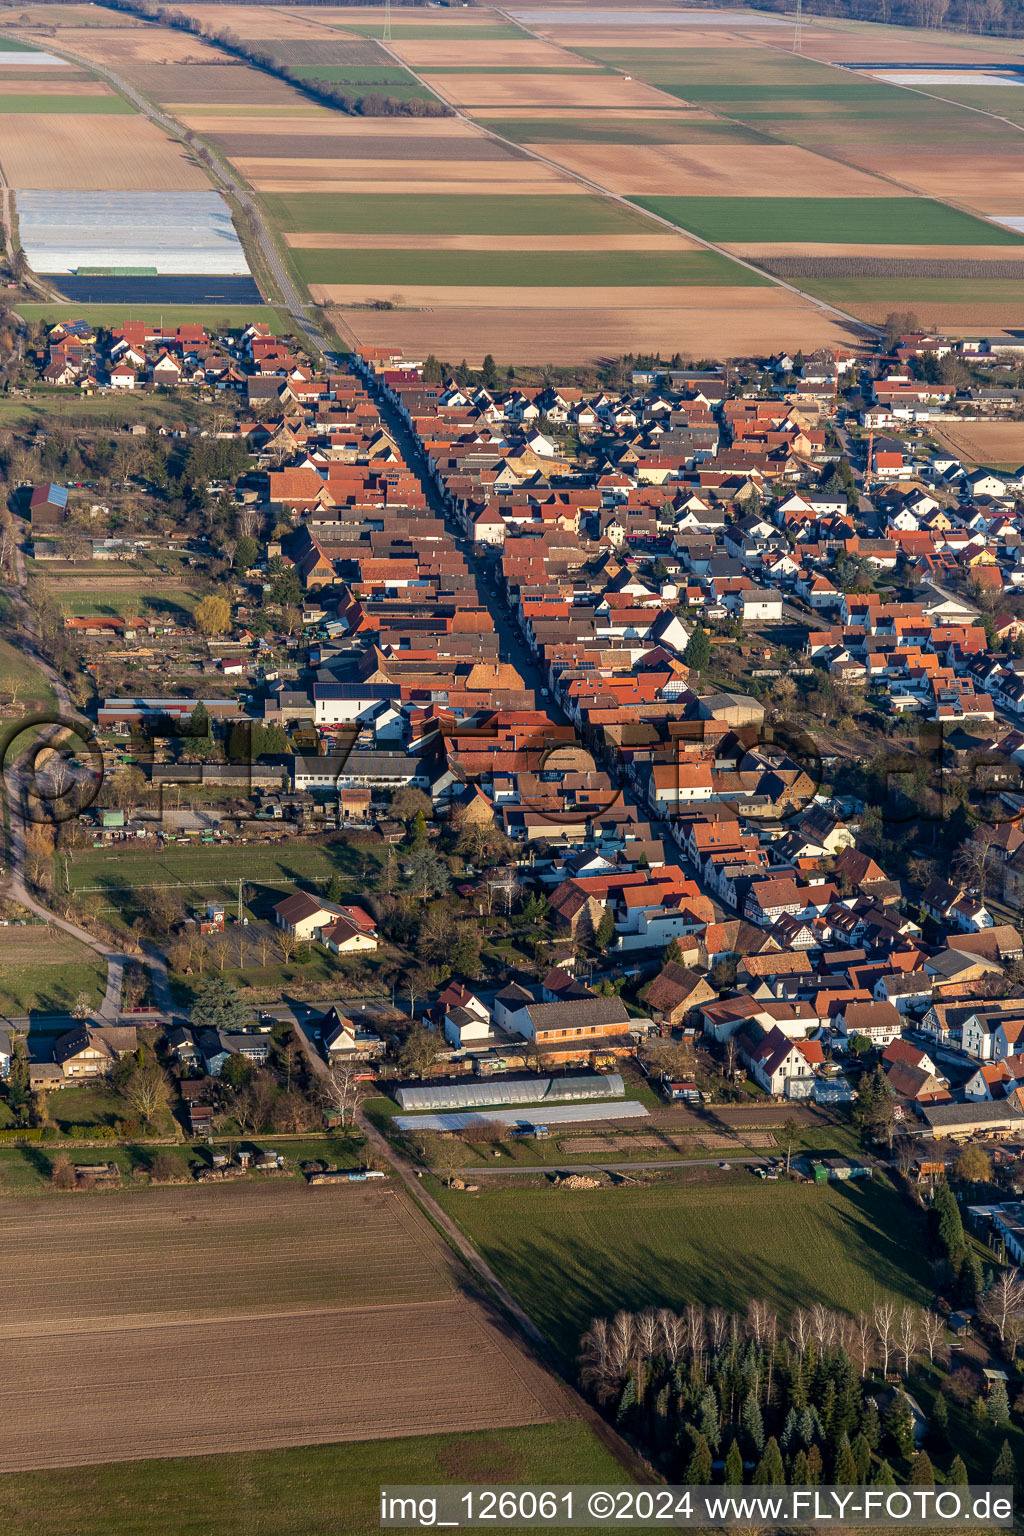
<point>317,1490</point>
<point>869,220</point>
<point>198,314</point>
<point>569,1257</point>
<point>994,444</point>
<point>360,1323</point>
<point>736,321</point>
<point>43,970</point>
<point>466,269</point>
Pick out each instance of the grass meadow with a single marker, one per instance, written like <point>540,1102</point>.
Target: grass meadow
<point>318,1490</point>
<point>572,1256</point>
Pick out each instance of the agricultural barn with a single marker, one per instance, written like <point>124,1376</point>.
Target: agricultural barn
<point>47,505</point>
<point>513,1090</point>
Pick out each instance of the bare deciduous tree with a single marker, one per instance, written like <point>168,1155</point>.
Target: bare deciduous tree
<point>341,1089</point>
<point>932,1328</point>
<point>147,1091</point>
<point>884,1315</point>
<point>907,1336</point>
<point>1002,1299</point>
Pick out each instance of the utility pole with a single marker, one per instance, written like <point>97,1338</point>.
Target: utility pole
<point>386,35</point>
<point>239,901</point>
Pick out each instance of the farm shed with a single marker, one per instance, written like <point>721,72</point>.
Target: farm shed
<point>516,1090</point>
<point>180,233</point>
<point>555,1114</point>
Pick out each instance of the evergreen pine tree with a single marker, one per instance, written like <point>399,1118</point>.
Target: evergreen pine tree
<point>970,1282</point>
<point>698,1468</point>
<point>949,1227</point>
<point>798,1475</point>
<point>815,1469</point>
<point>769,1469</point>
<point>957,1474</point>
<point>335,889</point>
<point>979,1413</point>
<point>698,651</point>
<point>753,1423</point>
<point>999,1404</point>
<point>627,1401</point>
<point>1004,1470</point>
<point>922,1474</point>
<point>884,1477</point>
<point>827,1407</point>
<point>870,1424</point>
<point>862,1457</point>
<point>733,1475</point>
<point>938,1424</point>
<point>709,1422</point>
<point>899,1424</point>
<point>847,1409</point>
<point>846,1467</point>
<point>662,1421</point>
<point>789,1431</point>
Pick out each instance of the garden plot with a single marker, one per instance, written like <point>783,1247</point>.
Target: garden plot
<point>166,233</point>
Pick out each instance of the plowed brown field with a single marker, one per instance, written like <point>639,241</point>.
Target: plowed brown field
<point>715,170</point>
<point>538,336</point>
<point>239,1317</point>
<point>94,153</point>
<point>595,90</point>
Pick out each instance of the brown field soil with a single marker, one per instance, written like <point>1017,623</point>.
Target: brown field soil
<point>94,152</point>
<point>328,176</point>
<point>62,87</point>
<point>345,242</point>
<point>204,118</point>
<point>714,170</point>
<point>769,248</point>
<point>314,145</point>
<point>992,183</point>
<point>222,83</point>
<point>525,335</point>
<point>260,21</point>
<point>243,1316</point>
<point>147,45</point>
<point>952,318</point>
<point>328,124</point>
<point>475,296</point>
<point>42,946</point>
<point>523,53</point>
<point>38,77</point>
<point>485,90</point>
<point>920,47</point>
<point>985,442</point>
<point>273,182</point>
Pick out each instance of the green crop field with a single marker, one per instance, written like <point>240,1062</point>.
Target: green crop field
<point>569,1257</point>
<point>517,269</point>
<point>417,213</point>
<point>78,104</point>
<point>860,220</point>
<point>316,1490</point>
<point>636,130</point>
<point>12,45</point>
